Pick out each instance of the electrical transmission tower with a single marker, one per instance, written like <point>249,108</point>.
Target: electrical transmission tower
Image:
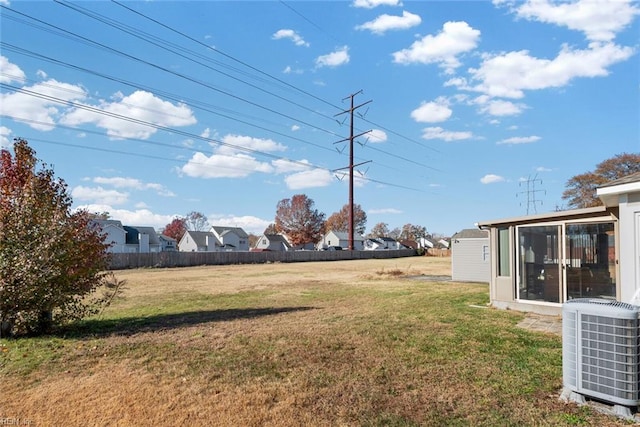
<point>351,166</point>
<point>531,192</point>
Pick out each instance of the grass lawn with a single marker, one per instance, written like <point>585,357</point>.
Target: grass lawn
<point>336,343</point>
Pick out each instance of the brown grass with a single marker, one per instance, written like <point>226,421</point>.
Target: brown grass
<point>340,343</point>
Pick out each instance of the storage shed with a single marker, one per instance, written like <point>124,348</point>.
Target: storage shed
<point>541,261</point>
<point>470,256</point>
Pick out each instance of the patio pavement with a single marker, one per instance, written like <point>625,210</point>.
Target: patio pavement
<point>541,323</point>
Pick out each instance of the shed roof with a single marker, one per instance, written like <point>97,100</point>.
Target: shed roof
<point>571,214</point>
<point>471,233</point>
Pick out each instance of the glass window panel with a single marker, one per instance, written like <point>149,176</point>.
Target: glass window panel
<point>538,263</point>
<point>591,257</point>
<point>504,252</point>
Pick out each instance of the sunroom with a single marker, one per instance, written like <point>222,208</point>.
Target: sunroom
<point>540,261</point>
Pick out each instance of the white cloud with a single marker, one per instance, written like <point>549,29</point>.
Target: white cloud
<point>243,143</point>
<point>455,39</point>
<point>491,179</point>
<point>99,195</point>
<point>133,183</point>
<point>384,211</point>
<point>499,107</point>
<point>287,166</point>
<point>432,112</point>
<point>334,59</point>
<point>508,75</point>
<point>140,105</point>
<point>290,34</point>
<point>10,72</point>
<point>223,166</point>
<point>45,111</point>
<point>308,179</point>
<point>206,133</point>
<point>440,133</point>
<point>5,133</point>
<point>289,70</point>
<point>599,20</point>
<point>140,217</point>
<point>377,136</point>
<point>519,140</point>
<point>384,23</point>
<point>543,169</point>
<point>248,223</point>
<point>370,4</point>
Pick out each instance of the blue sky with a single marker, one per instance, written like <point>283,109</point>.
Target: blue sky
<point>153,109</point>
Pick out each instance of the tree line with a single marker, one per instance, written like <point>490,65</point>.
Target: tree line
<point>299,220</point>
<point>53,261</point>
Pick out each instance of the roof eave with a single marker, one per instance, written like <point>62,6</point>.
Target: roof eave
<point>542,217</point>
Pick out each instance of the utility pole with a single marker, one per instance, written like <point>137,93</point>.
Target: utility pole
<point>351,166</point>
<point>531,192</point>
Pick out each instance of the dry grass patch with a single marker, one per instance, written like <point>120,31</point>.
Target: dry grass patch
<point>304,344</point>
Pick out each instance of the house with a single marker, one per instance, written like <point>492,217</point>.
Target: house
<point>198,241</point>
<point>410,244</point>
<point>470,256</point>
<point>443,243</point>
<point>114,234</point>
<point>426,243</point>
<point>340,238</point>
<point>273,242</point>
<point>540,261</point>
<point>382,243</point>
<point>231,238</point>
<point>167,244</point>
<point>142,239</point>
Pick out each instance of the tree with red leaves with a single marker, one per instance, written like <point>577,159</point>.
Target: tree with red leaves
<point>296,219</point>
<point>51,259</point>
<point>176,228</point>
<point>339,221</point>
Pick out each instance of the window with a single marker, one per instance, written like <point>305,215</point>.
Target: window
<point>539,274</point>
<point>591,257</point>
<point>504,250</point>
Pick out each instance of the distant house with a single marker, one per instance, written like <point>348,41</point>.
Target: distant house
<point>198,241</point>
<point>410,244</point>
<point>382,243</point>
<point>231,238</point>
<point>426,243</point>
<point>470,256</point>
<point>114,234</point>
<point>167,244</point>
<point>142,239</point>
<point>340,238</point>
<point>273,242</point>
<point>309,246</point>
<point>443,243</point>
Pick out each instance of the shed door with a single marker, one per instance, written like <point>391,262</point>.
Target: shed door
<point>539,267</point>
<point>590,257</point>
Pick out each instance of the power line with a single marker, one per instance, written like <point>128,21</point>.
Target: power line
<point>100,45</point>
<point>270,75</point>
<point>73,36</point>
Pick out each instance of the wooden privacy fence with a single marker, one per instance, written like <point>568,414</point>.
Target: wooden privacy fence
<point>191,259</point>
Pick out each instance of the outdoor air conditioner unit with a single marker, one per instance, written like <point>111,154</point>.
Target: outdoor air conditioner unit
<point>600,350</point>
